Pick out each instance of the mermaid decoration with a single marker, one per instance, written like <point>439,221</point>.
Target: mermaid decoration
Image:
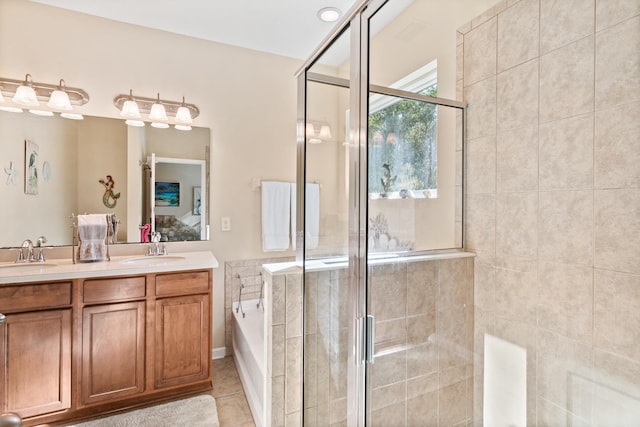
<point>109,198</point>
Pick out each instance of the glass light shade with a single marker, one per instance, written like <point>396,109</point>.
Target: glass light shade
<point>158,112</point>
<point>41,113</point>
<point>134,123</point>
<point>72,116</point>
<point>130,110</point>
<point>59,100</point>
<point>159,125</point>
<point>25,95</point>
<point>11,109</point>
<point>325,132</point>
<point>310,130</point>
<point>182,127</point>
<point>183,116</point>
<point>315,141</point>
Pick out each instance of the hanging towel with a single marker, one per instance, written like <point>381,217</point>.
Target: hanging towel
<point>276,214</point>
<point>312,215</point>
<point>92,234</point>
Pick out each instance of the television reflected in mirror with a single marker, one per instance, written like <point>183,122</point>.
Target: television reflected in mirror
<point>95,165</point>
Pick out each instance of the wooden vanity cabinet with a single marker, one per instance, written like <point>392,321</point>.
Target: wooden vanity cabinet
<point>35,348</point>
<point>78,349</point>
<point>113,338</point>
<point>182,331</point>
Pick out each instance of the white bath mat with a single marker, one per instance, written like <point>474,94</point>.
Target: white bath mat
<point>199,411</point>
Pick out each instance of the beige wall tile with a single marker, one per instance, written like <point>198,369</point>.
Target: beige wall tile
<point>565,225</point>
<point>618,64</point>
<point>422,404</point>
<point>480,52</point>
<point>310,371</point>
<point>616,323</point>
<point>490,13</point>
<point>294,419</point>
<point>516,291</point>
<point>617,392</point>
<point>420,328</point>
<point>422,281</point>
<point>517,224</point>
<point>611,12</point>
<point>422,360</point>
<point>518,34</point>
<point>392,415</point>
<point>552,415</point>
<point>388,285</point>
<point>392,333</point>
<point>566,81</point>
<point>617,221</point>
<point>293,375</point>
<point>278,300</point>
<point>277,350</point>
<point>293,309</point>
<point>277,401</point>
<point>617,151</point>
<point>382,397</point>
<point>481,111</point>
<point>388,369</point>
<point>517,160</point>
<point>480,222</point>
<point>484,287</point>
<point>564,21</point>
<point>517,96</point>
<point>565,300</point>
<point>480,170</point>
<point>566,153</point>
<point>454,404</point>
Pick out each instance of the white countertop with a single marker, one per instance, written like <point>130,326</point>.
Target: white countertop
<point>62,269</point>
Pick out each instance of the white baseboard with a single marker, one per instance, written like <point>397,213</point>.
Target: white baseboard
<point>219,353</point>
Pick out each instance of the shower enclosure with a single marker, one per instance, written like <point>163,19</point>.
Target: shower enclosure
<point>387,289</point>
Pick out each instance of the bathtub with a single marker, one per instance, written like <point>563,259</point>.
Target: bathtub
<point>249,352</point>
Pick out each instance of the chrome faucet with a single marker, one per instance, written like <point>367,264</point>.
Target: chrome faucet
<point>30,255</point>
<point>155,247</point>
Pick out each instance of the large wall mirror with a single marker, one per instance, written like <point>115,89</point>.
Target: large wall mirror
<point>54,167</point>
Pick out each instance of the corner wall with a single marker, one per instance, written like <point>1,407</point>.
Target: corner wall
<point>553,200</point>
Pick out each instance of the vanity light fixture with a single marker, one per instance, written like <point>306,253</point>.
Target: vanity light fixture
<point>55,98</point>
<point>329,14</point>
<point>161,113</point>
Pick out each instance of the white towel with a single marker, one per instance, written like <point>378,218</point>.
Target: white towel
<point>92,233</point>
<point>312,216</point>
<point>276,214</point>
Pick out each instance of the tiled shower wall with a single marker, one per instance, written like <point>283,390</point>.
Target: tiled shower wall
<point>422,374</point>
<point>553,200</point>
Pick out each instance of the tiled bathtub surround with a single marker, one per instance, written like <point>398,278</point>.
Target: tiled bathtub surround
<point>553,201</point>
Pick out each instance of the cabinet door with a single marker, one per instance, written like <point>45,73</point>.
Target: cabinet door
<point>183,340</point>
<point>112,351</point>
<point>35,362</point>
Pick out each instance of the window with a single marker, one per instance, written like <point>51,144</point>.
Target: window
<point>402,139</point>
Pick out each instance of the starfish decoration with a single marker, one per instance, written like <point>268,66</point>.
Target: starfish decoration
<point>11,174</point>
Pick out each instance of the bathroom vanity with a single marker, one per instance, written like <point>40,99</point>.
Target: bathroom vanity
<point>82,340</point>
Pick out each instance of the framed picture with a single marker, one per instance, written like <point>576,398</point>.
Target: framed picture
<point>30,167</point>
<point>167,193</point>
<point>196,200</point>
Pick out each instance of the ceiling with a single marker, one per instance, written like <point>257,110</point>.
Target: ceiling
<point>283,27</point>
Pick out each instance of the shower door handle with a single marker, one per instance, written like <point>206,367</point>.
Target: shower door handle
<point>3,318</point>
<point>369,336</point>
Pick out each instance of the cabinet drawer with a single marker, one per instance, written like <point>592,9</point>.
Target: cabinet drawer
<point>188,282</point>
<point>122,288</point>
<point>33,297</point>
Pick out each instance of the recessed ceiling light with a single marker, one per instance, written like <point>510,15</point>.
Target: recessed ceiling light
<point>329,14</point>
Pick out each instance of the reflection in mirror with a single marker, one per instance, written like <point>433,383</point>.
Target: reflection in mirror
<point>91,166</point>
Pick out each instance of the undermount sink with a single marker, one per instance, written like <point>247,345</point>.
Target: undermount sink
<point>153,260</point>
<point>27,266</point>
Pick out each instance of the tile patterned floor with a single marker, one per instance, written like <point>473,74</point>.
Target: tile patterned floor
<point>233,409</point>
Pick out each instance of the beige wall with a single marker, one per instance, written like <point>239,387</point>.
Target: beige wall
<point>247,98</point>
<point>553,201</point>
